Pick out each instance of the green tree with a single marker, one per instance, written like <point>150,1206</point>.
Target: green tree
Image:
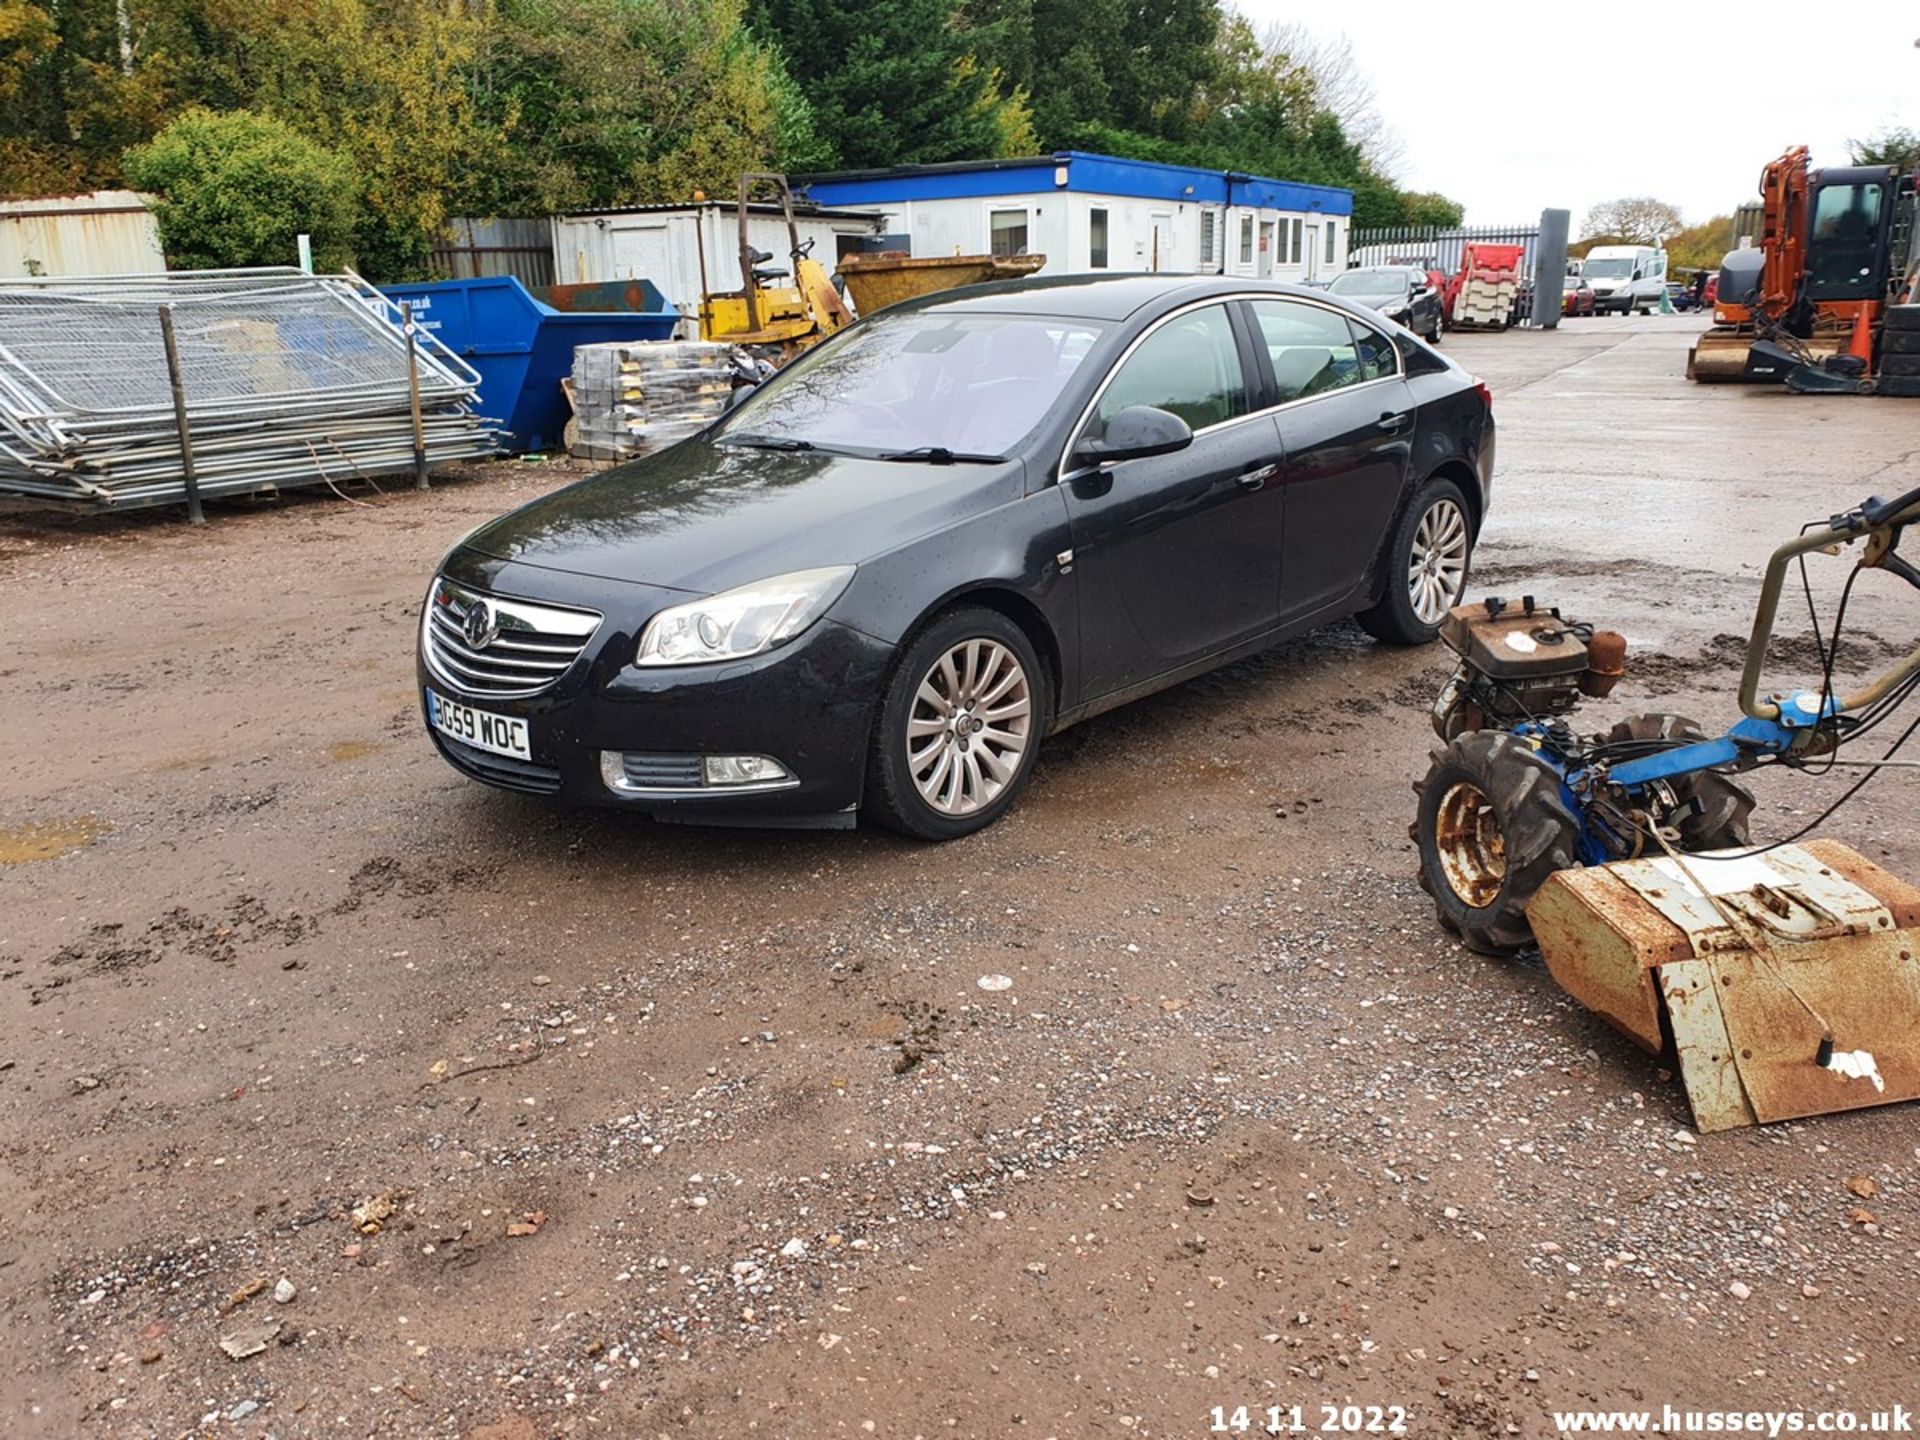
<point>1701,246</point>
<point>611,102</point>
<point>236,189</point>
<point>1115,65</point>
<point>899,83</point>
<point>1637,219</point>
<point>27,37</point>
<point>1896,145</point>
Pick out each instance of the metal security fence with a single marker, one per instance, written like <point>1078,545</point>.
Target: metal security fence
<point>1436,247</point>
<point>285,379</point>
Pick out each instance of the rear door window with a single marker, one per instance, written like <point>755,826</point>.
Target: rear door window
<point>1189,366</point>
<point>1310,347</point>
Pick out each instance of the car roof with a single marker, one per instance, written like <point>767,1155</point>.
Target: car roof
<point>1094,297</point>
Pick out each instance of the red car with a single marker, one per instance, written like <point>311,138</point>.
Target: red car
<point>1577,297</point>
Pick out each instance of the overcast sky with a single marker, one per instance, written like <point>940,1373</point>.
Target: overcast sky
<point>1721,91</point>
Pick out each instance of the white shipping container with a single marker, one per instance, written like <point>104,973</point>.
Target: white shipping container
<point>664,244</point>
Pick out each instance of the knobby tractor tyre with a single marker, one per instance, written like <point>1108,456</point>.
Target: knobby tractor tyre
<point>1492,825</point>
<point>1718,806</point>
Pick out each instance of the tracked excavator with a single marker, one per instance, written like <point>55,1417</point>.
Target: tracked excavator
<point>1820,302</point>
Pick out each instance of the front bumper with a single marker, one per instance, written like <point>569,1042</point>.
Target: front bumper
<point>809,704</point>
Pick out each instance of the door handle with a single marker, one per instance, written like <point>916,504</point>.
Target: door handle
<point>1391,422</point>
<point>1256,477</point>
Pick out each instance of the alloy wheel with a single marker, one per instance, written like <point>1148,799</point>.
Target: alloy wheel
<point>1437,562</point>
<point>970,726</point>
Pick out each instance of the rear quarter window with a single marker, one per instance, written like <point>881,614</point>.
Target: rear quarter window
<point>1416,358</point>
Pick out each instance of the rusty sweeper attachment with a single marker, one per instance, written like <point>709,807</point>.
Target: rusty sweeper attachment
<point>1785,978</point>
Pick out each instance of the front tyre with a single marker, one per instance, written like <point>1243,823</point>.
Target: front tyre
<point>1427,559</point>
<point>1492,825</point>
<point>959,728</point>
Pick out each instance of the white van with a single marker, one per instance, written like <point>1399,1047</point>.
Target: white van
<point>1626,278</point>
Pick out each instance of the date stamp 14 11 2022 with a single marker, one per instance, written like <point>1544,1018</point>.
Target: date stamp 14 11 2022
<point>1307,1420</point>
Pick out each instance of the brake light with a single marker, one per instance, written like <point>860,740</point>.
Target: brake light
<point>1480,389</point>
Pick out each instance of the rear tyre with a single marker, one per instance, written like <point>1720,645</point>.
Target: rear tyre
<point>1491,826</point>
<point>1718,807</point>
<point>959,728</point>
<point>1428,557</point>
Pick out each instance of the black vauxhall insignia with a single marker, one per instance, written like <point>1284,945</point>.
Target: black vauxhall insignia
<point>957,527</point>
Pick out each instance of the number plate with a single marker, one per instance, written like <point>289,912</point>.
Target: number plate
<point>482,729</point>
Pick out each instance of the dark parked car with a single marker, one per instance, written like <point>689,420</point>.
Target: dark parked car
<point>1577,297</point>
<point>1405,294</point>
<point>966,522</point>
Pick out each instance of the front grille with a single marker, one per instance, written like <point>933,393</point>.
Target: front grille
<point>522,647</point>
<point>501,770</point>
<point>645,771</point>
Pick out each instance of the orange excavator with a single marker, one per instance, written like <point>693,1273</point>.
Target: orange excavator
<point>1810,303</point>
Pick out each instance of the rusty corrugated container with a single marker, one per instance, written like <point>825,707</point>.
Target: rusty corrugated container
<point>109,232</point>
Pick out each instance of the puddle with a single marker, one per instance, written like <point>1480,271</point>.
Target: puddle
<point>48,839</point>
<point>343,752</point>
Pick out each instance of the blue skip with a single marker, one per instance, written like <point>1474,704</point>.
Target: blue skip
<point>523,346</point>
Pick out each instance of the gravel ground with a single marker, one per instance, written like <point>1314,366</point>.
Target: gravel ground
<point>563,1124</point>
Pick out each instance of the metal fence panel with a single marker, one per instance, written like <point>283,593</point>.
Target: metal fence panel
<point>289,378</point>
<point>1437,247</point>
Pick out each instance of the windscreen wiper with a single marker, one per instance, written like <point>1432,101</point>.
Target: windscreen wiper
<point>766,442</point>
<point>940,455</point>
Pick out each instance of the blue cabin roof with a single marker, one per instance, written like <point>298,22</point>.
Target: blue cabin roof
<point>1075,170</point>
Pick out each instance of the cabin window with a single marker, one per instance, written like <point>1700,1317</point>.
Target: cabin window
<point>1009,233</point>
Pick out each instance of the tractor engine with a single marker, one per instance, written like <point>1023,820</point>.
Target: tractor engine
<point>1521,662</point>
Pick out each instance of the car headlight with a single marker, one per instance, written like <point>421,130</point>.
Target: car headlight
<point>738,623</point>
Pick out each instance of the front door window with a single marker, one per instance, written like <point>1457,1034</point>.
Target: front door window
<point>1189,366</point>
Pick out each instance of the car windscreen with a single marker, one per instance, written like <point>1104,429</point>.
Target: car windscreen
<point>1370,282</point>
<point>971,384</point>
<point>1609,269</point>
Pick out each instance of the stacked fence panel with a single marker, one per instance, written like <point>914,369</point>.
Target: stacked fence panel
<point>289,379</point>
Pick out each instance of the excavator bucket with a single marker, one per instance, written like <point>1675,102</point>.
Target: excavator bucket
<point>1722,356</point>
<point>1810,1004</point>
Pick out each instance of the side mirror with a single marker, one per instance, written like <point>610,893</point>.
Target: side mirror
<point>1133,434</point>
<point>1638,275</point>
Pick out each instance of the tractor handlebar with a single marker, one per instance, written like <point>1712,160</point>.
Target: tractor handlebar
<point>1881,522</point>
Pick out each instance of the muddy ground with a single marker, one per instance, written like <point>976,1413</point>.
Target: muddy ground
<point>565,1124</point>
